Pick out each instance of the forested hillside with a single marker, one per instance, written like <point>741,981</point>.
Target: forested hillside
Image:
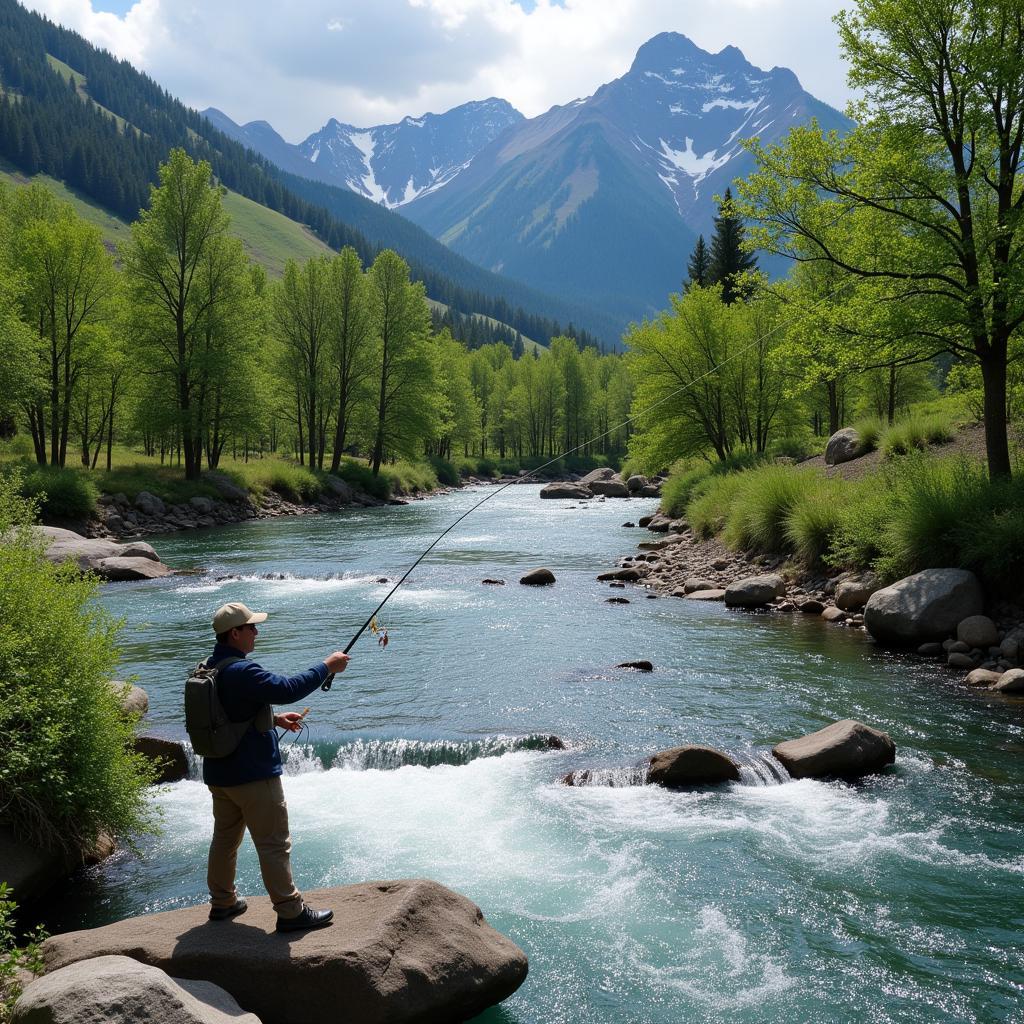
<point>85,118</point>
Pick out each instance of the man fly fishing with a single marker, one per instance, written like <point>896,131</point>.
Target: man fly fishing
<point>233,725</point>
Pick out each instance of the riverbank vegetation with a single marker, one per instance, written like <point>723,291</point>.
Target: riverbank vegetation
<point>68,772</point>
<point>177,352</point>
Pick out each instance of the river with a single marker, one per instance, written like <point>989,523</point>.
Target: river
<point>897,899</point>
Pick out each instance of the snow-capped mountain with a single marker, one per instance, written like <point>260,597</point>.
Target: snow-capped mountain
<point>389,163</point>
<point>602,199</point>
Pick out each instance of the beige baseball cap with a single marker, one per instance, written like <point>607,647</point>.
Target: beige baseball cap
<point>233,614</point>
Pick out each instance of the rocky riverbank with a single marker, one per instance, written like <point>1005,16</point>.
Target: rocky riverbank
<point>940,614</point>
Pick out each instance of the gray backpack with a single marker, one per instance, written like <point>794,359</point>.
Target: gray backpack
<point>209,729</point>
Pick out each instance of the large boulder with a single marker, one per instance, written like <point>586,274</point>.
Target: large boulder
<point>754,591</point>
<point>340,489</point>
<point>691,765</point>
<point>168,756</point>
<point>843,446</point>
<point>695,583</point>
<point>538,578</point>
<point>636,483</point>
<point>1011,681</point>
<point>149,504</point>
<point>134,699</point>
<point>844,750</point>
<point>108,559</point>
<point>852,595</point>
<point>599,475</point>
<point>226,487</point>
<point>121,569</point>
<point>566,489</point>
<point>613,488</point>
<point>629,574</point>
<point>30,870</point>
<point>402,951</point>
<point>926,606</point>
<point>119,990</point>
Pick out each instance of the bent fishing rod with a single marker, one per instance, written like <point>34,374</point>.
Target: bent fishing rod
<point>326,685</point>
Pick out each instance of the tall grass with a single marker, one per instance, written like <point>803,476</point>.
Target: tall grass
<point>762,505</point>
<point>709,507</point>
<point>870,432</point>
<point>916,433</point>
<point>811,524</point>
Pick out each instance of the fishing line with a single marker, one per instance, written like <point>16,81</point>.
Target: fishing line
<point>643,412</point>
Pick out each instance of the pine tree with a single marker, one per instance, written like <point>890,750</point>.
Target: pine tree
<point>698,269</point>
<point>728,260</point>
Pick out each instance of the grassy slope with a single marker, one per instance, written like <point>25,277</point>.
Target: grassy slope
<point>269,238</point>
<point>528,343</point>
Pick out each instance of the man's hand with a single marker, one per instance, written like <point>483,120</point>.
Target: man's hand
<point>337,661</point>
<point>290,721</point>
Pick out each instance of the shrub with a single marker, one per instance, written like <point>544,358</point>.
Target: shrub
<point>167,482</point>
<point>869,433</point>
<point>360,476</point>
<point>797,448</point>
<point>762,504</point>
<point>67,767</point>
<point>916,433</point>
<point>813,521</point>
<point>678,489</point>
<point>709,506</point>
<point>67,493</point>
<point>411,477</point>
<point>446,472</point>
<point>13,958</point>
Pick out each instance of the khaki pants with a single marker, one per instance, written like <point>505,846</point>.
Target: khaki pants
<point>260,807</point>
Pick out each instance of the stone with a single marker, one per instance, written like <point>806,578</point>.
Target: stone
<point>616,600</point>
<point>695,583</point>
<point>691,765</point>
<point>926,606</point>
<point>617,586</point>
<point>977,631</point>
<point>398,951</point>
<point>811,607</point>
<point>340,490</point>
<point>931,650</point>
<point>1011,681</point>
<point>612,487</point>
<point>538,578</point>
<point>644,521</point>
<point>982,677</point>
<point>494,583</point>
<point>168,755</point>
<point>149,504</point>
<point>958,647</point>
<point>629,525</point>
<point>134,699</point>
<point>706,595</point>
<point>753,592</point>
<point>833,614</point>
<point>659,523</point>
<point>627,575</point>
<point>846,749</point>
<point>201,504</point>
<point>720,564</point>
<point>843,446</point>
<point>121,569</point>
<point>650,491</point>
<point>640,666</point>
<point>566,489</point>
<point>226,487</point>
<point>636,483</point>
<point>601,475</point>
<point>957,659</point>
<point>852,595</point>
<point>120,990</point>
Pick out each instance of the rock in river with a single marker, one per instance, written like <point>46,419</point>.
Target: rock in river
<point>640,666</point>
<point>846,749</point>
<point>977,631</point>
<point>926,606</point>
<point>109,560</point>
<point>538,578</point>
<point>691,765</point>
<point>566,489</point>
<point>397,952</point>
<point>120,990</point>
<point>168,756</point>
<point>754,591</point>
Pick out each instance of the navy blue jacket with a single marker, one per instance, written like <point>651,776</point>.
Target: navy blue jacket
<point>243,688</point>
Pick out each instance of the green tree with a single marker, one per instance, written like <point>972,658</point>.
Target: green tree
<point>729,260</point>
<point>407,407</point>
<point>181,268</point>
<point>936,152</point>
<point>698,268</point>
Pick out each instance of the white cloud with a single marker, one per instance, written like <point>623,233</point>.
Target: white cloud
<point>368,63</point>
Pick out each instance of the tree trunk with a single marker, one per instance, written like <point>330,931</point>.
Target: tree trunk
<point>993,375</point>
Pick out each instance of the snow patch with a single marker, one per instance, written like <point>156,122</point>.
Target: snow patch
<point>697,166</point>
<point>315,156</point>
<point>732,104</point>
<point>364,142</point>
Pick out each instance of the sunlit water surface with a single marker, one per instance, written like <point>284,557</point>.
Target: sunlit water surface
<point>898,899</point>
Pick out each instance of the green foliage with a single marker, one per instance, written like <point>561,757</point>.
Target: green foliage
<point>62,493</point>
<point>406,477</point>
<point>797,448</point>
<point>686,477</point>
<point>760,510</point>
<point>165,482</point>
<point>813,521</point>
<point>447,474</point>
<point>870,432</point>
<point>916,432</point>
<point>361,476</point>
<point>67,767</point>
<point>709,507</point>
<point>290,480</point>
<point>15,958</point>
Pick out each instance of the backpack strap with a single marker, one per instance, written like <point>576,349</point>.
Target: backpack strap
<point>263,720</point>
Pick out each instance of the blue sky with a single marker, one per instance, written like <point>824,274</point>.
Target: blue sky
<point>374,62</point>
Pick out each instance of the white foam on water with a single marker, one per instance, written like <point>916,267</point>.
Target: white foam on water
<point>720,969</point>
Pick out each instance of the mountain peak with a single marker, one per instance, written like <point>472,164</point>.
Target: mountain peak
<point>660,51</point>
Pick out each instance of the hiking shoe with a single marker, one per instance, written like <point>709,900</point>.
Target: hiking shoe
<point>309,918</point>
<point>223,913</point>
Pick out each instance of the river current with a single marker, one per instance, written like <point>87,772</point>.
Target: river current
<point>896,899</point>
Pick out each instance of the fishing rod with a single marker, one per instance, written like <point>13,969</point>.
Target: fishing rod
<point>326,685</point>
